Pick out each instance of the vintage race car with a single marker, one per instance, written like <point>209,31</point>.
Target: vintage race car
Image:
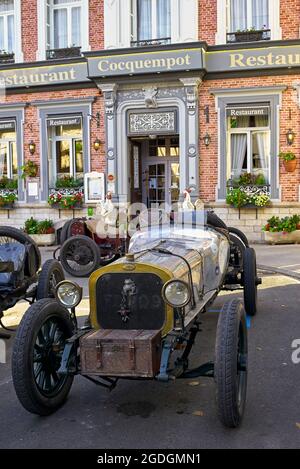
<point>145,312</point>
<point>20,275</point>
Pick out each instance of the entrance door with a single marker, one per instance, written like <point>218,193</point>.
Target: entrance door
<point>161,172</point>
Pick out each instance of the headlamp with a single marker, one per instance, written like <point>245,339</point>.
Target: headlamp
<point>176,293</point>
<point>68,293</point>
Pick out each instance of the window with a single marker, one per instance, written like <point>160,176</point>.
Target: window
<point>249,14</point>
<point>65,148</point>
<point>8,151</point>
<point>246,18</point>
<point>7,26</point>
<point>153,20</point>
<point>248,142</point>
<point>65,22</point>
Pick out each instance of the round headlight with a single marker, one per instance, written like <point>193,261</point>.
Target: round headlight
<point>177,293</point>
<point>68,293</point>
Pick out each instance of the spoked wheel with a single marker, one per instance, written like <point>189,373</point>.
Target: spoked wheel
<point>250,281</point>
<point>51,275</point>
<point>37,354</point>
<point>80,256</point>
<point>231,357</point>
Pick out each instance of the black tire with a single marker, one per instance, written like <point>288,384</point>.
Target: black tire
<point>80,256</point>
<point>237,251</point>
<point>14,233</point>
<point>250,281</point>
<point>231,354</point>
<point>64,232</point>
<point>240,234</point>
<point>33,364</point>
<point>51,274</point>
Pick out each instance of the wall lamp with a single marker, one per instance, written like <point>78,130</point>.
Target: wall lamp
<point>32,147</point>
<point>290,137</point>
<point>207,139</point>
<point>97,144</point>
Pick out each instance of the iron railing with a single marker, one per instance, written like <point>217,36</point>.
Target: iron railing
<point>151,42</point>
<point>7,57</point>
<point>249,36</point>
<point>64,53</point>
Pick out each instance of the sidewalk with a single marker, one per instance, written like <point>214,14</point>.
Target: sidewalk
<point>286,257</point>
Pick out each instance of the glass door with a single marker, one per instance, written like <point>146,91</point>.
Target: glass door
<point>162,172</point>
<point>8,159</point>
<point>156,184</point>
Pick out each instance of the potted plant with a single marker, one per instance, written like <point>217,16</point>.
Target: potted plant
<point>7,200</point>
<point>282,230</point>
<point>65,202</point>
<point>42,232</point>
<point>289,160</point>
<point>29,169</point>
<point>68,182</point>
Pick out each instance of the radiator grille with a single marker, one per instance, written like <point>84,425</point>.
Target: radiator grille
<point>147,309</point>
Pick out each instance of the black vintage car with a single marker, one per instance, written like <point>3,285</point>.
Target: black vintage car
<point>21,276</point>
<point>146,310</point>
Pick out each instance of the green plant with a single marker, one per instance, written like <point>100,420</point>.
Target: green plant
<point>285,224</point>
<point>33,226</point>
<point>65,201</point>
<point>261,200</point>
<point>260,180</point>
<point>8,198</point>
<point>66,182</point>
<point>11,184</point>
<point>246,178</point>
<point>29,169</point>
<point>287,156</point>
<point>236,197</point>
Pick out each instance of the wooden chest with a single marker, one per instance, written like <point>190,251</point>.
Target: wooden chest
<point>121,353</point>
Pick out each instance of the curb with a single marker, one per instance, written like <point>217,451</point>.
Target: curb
<point>278,270</point>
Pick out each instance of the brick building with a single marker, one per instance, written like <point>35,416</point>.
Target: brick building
<point>159,95</point>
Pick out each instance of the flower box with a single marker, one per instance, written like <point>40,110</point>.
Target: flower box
<point>249,36</point>
<point>282,237</point>
<point>57,206</point>
<point>43,239</point>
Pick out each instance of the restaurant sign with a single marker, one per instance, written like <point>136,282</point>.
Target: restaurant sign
<point>247,111</point>
<point>67,121</point>
<point>8,125</point>
<point>145,62</point>
<point>43,76</point>
<point>253,59</point>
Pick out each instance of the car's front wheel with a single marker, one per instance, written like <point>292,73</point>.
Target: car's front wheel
<point>231,356</point>
<point>36,358</point>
